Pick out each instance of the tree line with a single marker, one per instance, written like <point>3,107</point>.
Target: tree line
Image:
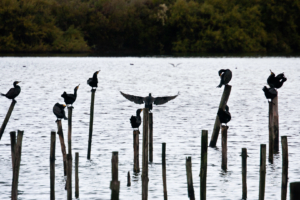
<point>160,26</point>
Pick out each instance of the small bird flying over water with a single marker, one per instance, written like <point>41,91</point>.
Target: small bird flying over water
<point>149,100</point>
<point>70,98</point>
<point>224,115</point>
<point>175,65</point>
<point>59,111</point>
<point>270,93</point>
<point>225,75</point>
<point>93,82</point>
<point>136,120</point>
<point>13,92</point>
<point>276,81</point>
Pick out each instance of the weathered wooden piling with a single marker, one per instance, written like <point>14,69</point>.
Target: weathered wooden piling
<point>136,162</point>
<point>295,191</point>
<point>128,179</point>
<point>16,169</point>
<point>164,174</point>
<point>285,166</point>
<point>13,146</point>
<point>115,183</point>
<point>271,133</point>
<point>76,175</point>
<point>224,147</point>
<point>203,169</point>
<point>52,165</point>
<point>145,178</point>
<point>189,177</point>
<point>62,144</point>
<point>150,137</point>
<point>244,173</point>
<point>275,124</point>
<point>262,171</point>
<point>216,130</point>
<point>91,123</point>
<point>11,108</point>
<point>69,177</point>
<point>70,109</point>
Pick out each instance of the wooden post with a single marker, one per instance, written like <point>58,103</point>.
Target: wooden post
<point>275,124</point>
<point>285,166</point>
<point>13,146</point>
<point>295,191</point>
<point>70,130</point>
<point>115,183</point>
<point>69,177</point>
<point>62,144</point>
<point>16,169</point>
<point>224,147</point>
<point>244,172</point>
<point>145,155</point>
<point>128,179</point>
<point>216,130</point>
<point>262,176</point>
<point>271,134</point>
<point>52,165</point>
<point>203,169</point>
<point>76,175</point>
<point>91,124</point>
<point>189,177</point>
<point>12,105</point>
<point>164,174</point>
<point>150,137</point>
<point>136,162</point>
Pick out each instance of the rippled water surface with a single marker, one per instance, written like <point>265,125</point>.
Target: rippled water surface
<point>178,123</point>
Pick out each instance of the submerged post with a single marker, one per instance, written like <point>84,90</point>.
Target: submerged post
<point>295,191</point>
<point>115,183</point>
<point>150,137</point>
<point>76,175</point>
<point>244,173</point>
<point>203,169</point>
<point>216,130</point>
<point>224,147</point>
<point>271,134</point>
<point>69,177</point>
<point>128,179</point>
<point>189,177</point>
<point>145,155</point>
<point>262,171</point>
<point>285,166</point>
<point>91,123</point>
<point>62,144</point>
<point>164,174</point>
<point>13,146</point>
<point>136,162</point>
<point>52,165</point>
<point>11,108</point>
<point>275,124</point>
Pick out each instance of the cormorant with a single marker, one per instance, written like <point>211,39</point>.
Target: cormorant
<point>149,100</point>
<point>59,111</point>
<point>136,120</point>
<point>70,98</point>
<point>224,115</point>
<point>276,82</point>
<point>225,75</point>
<point>270,93</point>
<point>13,92</point>
<point>93,82</point>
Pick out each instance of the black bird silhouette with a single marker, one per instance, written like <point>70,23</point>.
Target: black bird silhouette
<point>149,100</point>
<point>13,92</point>
<point>270,93</point>
<point>70,98</point>
<point>276,81</point>
<point>93,82</point>
<point>225,75</point>
<point>175,65</point>
<point>224,115</point>
<point>136,120</point>
<point>59,111</point>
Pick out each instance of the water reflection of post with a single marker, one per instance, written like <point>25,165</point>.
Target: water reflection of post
<point>12,105</point>
<point>91,123</point>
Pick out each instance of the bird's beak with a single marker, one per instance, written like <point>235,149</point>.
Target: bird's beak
<point>64,105</point>
<point>18,82</point>
<point>98,71</point>
<point>77,87</point>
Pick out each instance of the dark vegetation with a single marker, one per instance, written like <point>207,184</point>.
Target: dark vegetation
<point>160,26</point>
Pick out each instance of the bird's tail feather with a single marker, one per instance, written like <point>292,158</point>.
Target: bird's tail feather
<point>65,118</point>
<point>3,94</point>
<point>219,85</point>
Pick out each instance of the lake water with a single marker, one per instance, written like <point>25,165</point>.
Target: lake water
<point>178,123</point>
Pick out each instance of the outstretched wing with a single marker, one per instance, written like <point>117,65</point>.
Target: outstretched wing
<point>135,99</point>
<point>162,100</point>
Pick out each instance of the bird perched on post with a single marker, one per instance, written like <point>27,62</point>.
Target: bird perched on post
<point>276,81</point>
<point>224,115</point>
<point>93,82</point>
<point>59,111</point>
<point>70,98</point>
<point>136,120</point>
<point>270,93</point>
<point>149,100</point>
<point>225,75</point>
<point>13,92</point>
